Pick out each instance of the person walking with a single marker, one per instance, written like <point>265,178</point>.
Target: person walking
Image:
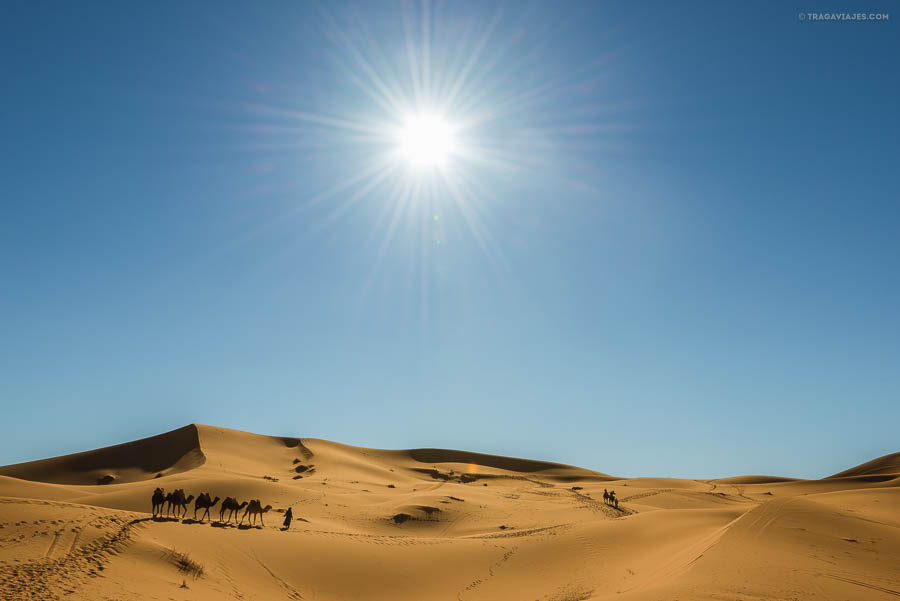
<point>288,516</point>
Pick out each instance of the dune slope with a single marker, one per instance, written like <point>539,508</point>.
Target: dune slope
<point>428,524</point>
<point>887,465</point>
<point>170,453</point>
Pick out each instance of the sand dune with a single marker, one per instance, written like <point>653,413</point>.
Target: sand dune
<point>434,524</point>
<point>754,480</point>
<point>170,453</point>
<point>888,465</point>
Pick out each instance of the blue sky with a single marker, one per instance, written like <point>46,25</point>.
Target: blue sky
<point>666,243</point>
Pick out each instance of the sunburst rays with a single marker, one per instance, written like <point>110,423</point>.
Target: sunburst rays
<point>480,72</point>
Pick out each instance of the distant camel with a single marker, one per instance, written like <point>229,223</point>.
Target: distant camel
<point>203,502</point>
<point>254,509</point>
<point>179,503</point>
<point>231,505</point>
<point>159,500</point>
<point>610,498</point>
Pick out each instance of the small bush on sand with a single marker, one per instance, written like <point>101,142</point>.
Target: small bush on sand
<point>184,563</point>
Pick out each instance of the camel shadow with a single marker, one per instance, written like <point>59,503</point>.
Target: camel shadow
<point>192,521</point>
<point>159,518</point>
<point>221,525</point>
<point>248,527</point>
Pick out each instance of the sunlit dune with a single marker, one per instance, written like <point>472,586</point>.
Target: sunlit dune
<point>430,524</point>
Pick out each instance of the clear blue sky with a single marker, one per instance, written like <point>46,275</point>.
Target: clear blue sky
<point>673,247</point>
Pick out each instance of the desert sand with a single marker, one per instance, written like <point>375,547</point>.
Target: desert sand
<point>433,524</point>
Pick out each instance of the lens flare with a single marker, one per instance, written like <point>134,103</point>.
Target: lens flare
<point>433,135</point>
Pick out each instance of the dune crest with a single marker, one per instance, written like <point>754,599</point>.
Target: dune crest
<point>169,453</point>
<point>886,465</point>
<point>510,464</point>
<point>754,480</point>
<point>432,524</point>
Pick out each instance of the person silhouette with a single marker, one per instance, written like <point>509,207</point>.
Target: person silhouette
<point>288,516</point>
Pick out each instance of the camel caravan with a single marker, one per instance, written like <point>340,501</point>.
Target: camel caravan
<point>175,503</point>
<point>610,498</point>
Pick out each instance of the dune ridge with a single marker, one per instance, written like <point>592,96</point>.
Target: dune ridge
<point>881,466</point>
<point>168,453</point>
<point>755,479</point>
<point>511,464</point>
<point>436,524</point>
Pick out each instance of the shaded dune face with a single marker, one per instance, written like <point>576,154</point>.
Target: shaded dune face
<point>170,453</point>
<point>887,465</point>
<point>430,524</point>
<point>754,480</point>
<point>512,464</point>
<point>480,466</point>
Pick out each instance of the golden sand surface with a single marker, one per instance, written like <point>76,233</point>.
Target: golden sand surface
<point>432,524</point>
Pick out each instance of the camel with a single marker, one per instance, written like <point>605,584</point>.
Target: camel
<point>159,500</point>
<point>254,509</point>
<point>178,503</point>
<point>231,505</point>
<point>203,502</point>
<point>170,496</point>
<point>610,498</point>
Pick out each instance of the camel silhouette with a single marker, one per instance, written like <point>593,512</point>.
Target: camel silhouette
<point>159,500</point>
<point>203,502</point>
<point>231,505</point>
<point>178,503</point>
<point>170,496</point>
<point>611,498</point>
<point>254,509</point>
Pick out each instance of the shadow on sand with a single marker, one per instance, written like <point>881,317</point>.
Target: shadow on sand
<point>158,518</point>
<point>139,520</point>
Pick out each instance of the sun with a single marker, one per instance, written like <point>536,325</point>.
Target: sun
<point>426,141</point>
